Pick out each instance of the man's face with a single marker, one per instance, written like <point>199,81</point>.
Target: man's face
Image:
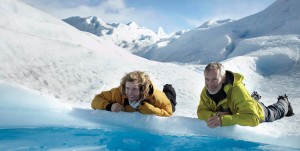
<point>132,91</point>
<point>213,81</point>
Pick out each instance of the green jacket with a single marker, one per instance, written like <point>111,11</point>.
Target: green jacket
<point>244,109</point>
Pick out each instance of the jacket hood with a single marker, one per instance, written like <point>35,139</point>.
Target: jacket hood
<point>238,78</point>
<point>233,79</point>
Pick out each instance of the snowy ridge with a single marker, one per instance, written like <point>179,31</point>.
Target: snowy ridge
<point>218,42</point>
<point>76,68</point>
<point>129,36</point>
<point>214,22</point>
<point>89,24</point>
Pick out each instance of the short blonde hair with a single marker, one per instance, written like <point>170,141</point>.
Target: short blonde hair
<point>143,81</point>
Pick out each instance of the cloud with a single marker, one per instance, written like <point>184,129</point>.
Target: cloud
<point>111,11</point>
<point>172,16</point>
<point>103,8</point>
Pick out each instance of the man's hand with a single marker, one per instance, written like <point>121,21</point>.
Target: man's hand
<point>116,107</point>
<point>223,113</point>
<point>214,122</point>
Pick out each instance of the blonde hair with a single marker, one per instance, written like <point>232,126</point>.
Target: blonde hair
<point>143,81</point>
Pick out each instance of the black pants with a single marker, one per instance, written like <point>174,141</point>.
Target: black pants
<point>171,95</point>
<point>275,111</point>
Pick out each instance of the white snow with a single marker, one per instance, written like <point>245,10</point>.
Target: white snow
<point>215,22</point>
<point>51,71</point>
<point>39,110</point>
<point>129,36</point>
<point>76,68</point>
<point>216,40</point>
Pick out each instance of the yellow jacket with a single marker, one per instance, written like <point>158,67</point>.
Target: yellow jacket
<point>244,109</point>
<point>156,103</point>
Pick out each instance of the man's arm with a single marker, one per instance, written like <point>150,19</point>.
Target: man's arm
<point>245,110</point>
<point>205,108</point>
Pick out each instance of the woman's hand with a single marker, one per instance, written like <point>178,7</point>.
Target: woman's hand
<point>116,107</point>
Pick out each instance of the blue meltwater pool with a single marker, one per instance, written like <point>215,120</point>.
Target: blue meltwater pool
<point>62,138</point>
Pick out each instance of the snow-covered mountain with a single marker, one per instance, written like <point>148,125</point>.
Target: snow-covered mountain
<point>217,43</point>
<point>129,36</point>
<point>43,53</point>
<point>46,54</point>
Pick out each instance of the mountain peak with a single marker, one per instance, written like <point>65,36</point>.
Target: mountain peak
<point>161,32</point>
<point>132,24</point>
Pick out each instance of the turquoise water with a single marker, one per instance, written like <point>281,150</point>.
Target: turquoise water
<point>61,138</point>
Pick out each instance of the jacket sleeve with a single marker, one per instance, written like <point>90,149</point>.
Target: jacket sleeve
<point>205,109</point>
<point>245,109</point>
<point>158,104</point>
<point>106,97</point>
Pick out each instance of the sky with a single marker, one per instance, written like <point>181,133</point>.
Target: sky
<point>172,15</point>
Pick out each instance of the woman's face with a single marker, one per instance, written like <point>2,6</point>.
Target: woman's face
<point>132,91</point>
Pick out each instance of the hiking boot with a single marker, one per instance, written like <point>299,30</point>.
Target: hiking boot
<point>290,109</point>
<point>255,95</point>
